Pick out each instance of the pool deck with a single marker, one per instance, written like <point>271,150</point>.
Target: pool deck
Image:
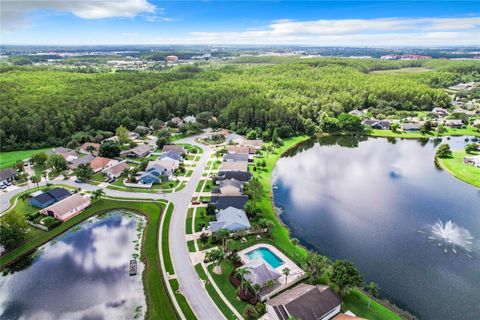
<point>296,273</point>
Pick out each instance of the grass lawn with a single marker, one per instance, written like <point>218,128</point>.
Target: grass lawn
<point>188,221</point>
<point>455,166</point>
<point>214,295</point>
<point>401,71</point>
<point>191,245</point>
<point>38,170</point>
<point>469,131</point>
<point>8,159</point>
<point>159,305</point>
<point>182,301</point>
<point>223,282</point>
<point>357,302</point>
<point>167,260</point>
<point>202,219</point>
<point>208,186</point>
<point>199,186</point>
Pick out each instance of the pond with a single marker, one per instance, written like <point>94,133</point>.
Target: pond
<point>383,204</point>
<point>82,274</point>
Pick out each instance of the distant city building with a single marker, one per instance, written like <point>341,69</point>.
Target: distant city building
<point>404,57</point>
<point>171,58</point>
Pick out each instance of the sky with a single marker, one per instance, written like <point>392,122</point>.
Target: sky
<point>311,23</point>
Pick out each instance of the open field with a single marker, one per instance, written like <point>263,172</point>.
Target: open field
<point>401,71</point>
<point>455,166</point>
<point>8,159</point>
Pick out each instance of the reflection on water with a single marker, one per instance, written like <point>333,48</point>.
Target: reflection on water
<point>365,199</point>
<point>83,274</point>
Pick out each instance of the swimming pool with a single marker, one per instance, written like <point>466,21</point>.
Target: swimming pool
<point>265,254</point>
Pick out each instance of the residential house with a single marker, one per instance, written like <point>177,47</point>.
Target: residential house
<point>89,148</point>
<point>177,121</point>
<point>223,202</point>
<point>87,159</point>
<point>236,157</point>
<point>377,124</point>
<point>139,151</point>
<point>231,219</point>
<point>47,198</point>
<point>100,163</point>
<point>440,112</point>
<point>229,187</point>
<point>68,154</point>
<point>133,135</point>
<point>242,176</point>
<point>172,147</point>
<point>306,302</point>
<point>143,130</point>
<point>357,113</point>
<point>411,126</point>
<point>171,155</point>
<point>189,119</point>
<point>156,169</point>
<point>241,149</point>
<point>68,207</point>
<point>454,123</point>
<point>260,272</point>
<point>464,111</point>
<point>476,123</point>
<point>474,161</point>
<point>7,176</point>
<point>233,166</point>
<point>257,144</point>
<point>116,170</point>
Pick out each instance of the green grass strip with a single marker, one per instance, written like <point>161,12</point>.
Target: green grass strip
<point>182,301</point>
<point>167,260</point>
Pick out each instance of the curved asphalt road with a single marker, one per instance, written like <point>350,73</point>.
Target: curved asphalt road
<point>190,284</point>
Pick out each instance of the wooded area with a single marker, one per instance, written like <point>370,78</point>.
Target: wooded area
<point>44,107</point>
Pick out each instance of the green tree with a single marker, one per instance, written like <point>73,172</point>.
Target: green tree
<point>471,148</point>
<point>109,149</point>
<point>39,158</point>
<point>203,239</point>
<point>441,129</point>
<point>443,151</point>
<point>426,127</point>
<point>345,275</point>
<point>241,273</point>
<point>210,209</point>
<point>286,273</point>
<point>250,313</point>
<point>12,229</point>
<point>122,134</point>
<point>56,162</point>
<point>315,266</point>
<point>252,134</point>
<point>19,165</point>
<point>83,172</point>
<point>97,194</point>
<point>254,190</point>
<point>222,235</point>
<point>161,141</point>
<point>372,290</point>
<point>394,126</point>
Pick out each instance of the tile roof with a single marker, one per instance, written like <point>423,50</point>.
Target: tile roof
<point>234,166</point>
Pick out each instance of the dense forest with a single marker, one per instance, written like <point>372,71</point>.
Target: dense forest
<point>44,107</point>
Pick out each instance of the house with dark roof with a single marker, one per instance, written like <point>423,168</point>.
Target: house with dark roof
<point>223,202</point>
<point>87,159</point>
<point>172,147</point>
<point>67,208</point>
<point>411,126</point>
<point>306,302</point>
<point>171,155</point>
<point>49,197</point>
<point>377,124</point>
<point>231,219</point>
<point>236,157</point>
<point>156,169</point>
<point>242,176</point>
<point>260,272</point>
<point>7,175</point>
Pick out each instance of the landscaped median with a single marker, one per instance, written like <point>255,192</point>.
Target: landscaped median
<point>456,167</point>
<point>159,303</point>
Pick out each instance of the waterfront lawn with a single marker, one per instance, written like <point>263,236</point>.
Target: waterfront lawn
<point>8,159</point>
<point>469,131</point>
<point>455,166</point>
<point>357,303</point>
<point>214,295</point>
<point>158,301</point>
<point>223,282</point>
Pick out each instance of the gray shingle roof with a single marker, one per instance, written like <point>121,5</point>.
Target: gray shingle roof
<point>260,272</point>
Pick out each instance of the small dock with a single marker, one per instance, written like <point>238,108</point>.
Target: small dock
<point>133,267</point>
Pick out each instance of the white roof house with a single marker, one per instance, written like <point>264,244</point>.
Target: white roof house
<point>231,219</point>
<point>189,119</point>
<point>68,207</point>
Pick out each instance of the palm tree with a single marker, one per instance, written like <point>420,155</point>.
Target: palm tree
<point>203,238</point>
<point>270,283</point>
<point>295,241</point>
<point>373,291</point>
<point>256,288</point>
<point>242,272</point>
<point>222,234</point>
<point>45,175</point>
<point>23,197</point>
<point>90,149</point>
<point>34,180</point>
<point>286,273</point>
<point>97,194</point>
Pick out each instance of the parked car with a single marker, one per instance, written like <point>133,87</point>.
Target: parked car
<point>79,181</point>
<point>195,202</point>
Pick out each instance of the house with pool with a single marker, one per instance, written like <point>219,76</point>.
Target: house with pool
<point>266,264</point>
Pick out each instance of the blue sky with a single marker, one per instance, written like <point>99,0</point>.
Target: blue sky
<point>327,23</point>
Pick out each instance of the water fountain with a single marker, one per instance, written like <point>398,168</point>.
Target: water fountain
<point>450,237</point>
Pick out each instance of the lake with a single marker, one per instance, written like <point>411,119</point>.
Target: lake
<point>82,274</point>
<point>378,203</point>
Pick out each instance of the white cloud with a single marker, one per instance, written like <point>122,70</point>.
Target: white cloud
<point>13,12</point>
<point>359,32</point>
